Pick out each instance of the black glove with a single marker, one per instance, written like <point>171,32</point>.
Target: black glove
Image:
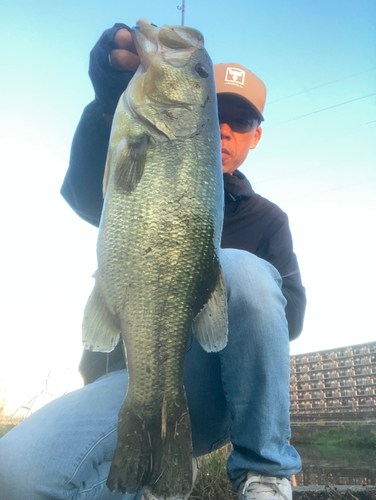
<point>108,82</point>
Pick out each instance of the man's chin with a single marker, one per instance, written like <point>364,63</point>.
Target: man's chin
<point>228,169</point>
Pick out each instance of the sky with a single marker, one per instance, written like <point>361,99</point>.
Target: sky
<point>316,160</point>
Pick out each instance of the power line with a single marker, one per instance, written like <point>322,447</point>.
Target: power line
<point>320,110</point>
<point>319,86</point>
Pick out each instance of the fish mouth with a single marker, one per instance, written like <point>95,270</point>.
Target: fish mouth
<point>172,37</point>
<point>145,38</point>
<point>180,37</point>
<point>148,39</point>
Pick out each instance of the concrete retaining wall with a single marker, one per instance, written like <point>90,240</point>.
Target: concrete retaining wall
<point>334,492</point>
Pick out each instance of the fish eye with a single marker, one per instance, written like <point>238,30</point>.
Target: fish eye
<point>202,70</point>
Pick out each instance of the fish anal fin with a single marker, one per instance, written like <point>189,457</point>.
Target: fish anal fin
<point>210,327</point>
<point>100,328</point>
<point>130,162</point>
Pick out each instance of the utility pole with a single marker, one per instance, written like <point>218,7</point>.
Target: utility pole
<point>182,8</point>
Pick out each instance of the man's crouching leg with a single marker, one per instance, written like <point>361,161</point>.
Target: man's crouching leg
<point>255,369</point>
<point>65,449</point>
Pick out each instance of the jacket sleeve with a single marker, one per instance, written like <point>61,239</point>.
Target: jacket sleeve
<point>279,252</point>
<point>295,295</point>
<point>82,186</point>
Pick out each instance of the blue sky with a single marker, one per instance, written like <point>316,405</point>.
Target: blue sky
<point>316,160</point>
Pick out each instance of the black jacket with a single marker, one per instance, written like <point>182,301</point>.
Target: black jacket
<point>251,222</point>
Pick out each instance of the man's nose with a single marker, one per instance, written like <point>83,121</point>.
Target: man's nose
<point>225,130</point>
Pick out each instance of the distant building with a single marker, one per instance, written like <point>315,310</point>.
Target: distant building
<point>335,380</point>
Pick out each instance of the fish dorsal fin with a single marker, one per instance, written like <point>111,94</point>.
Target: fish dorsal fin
<point>210,327</point>
<point>130,162</point>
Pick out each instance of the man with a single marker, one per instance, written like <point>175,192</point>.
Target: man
<point>240,394</point>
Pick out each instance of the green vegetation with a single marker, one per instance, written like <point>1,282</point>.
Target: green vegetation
<point>6,422</point>
<point>212,482</point>
<point>346,437</point>
<point>4,428</point>
<point>354,436</point>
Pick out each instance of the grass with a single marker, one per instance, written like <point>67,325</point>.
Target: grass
<point>346,437</point>
<point>4,428</point>
<point>212,482</point>
<point>6,422</point>
<point>349,436</point>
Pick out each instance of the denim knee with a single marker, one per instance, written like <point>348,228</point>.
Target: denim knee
<point>251,282</point>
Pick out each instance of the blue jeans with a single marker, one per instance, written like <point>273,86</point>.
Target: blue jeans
<point>240,394</point>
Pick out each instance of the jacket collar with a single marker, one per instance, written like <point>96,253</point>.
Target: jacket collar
<point>237,187</point>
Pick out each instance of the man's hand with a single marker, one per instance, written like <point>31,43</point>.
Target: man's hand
<point>125,57</point>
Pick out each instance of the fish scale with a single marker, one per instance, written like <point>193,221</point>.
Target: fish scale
<point>158,267</point>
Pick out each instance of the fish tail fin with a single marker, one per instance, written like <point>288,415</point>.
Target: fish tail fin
<point>100,328</point>
<point>172,474</point>
<point>153,452</point>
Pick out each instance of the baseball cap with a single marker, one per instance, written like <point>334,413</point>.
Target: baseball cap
<point>232,78</point>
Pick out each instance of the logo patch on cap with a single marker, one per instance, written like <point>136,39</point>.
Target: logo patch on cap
<point>235,76</point>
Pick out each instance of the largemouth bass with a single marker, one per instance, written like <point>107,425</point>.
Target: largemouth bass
<point>158,270</point>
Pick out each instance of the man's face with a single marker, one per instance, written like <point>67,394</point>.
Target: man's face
<point>240,131</point>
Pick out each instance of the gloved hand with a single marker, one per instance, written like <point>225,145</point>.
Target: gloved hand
<point>113,62</point>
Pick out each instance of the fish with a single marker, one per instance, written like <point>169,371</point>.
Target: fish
<point>159,276</point>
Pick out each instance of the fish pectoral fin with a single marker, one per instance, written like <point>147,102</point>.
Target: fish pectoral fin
<point>130,162</point>
<point>100,328</point>
<point>106,175</point>
<point>210,327</point>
